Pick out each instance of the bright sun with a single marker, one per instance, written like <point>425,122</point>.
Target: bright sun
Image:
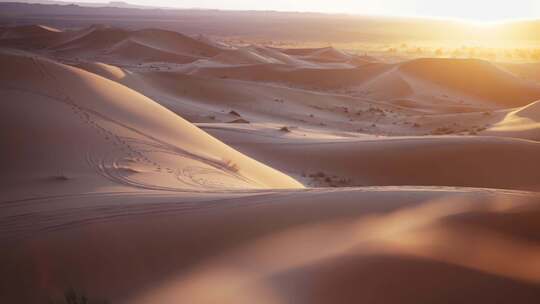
<point>486,12</point>
<point>477,11</point>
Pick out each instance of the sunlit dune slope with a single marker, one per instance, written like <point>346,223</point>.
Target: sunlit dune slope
<point>490,162</point>
<point>475,77</point>
<point>63,126</point>
<point>430,84</point>
<point>308,78</point>
<point>142,45</point>
<point>328,54</point>
<point>26,31</point>
<point>523,122</point>
<point>134,51</point>
<point>29,36</point>
<point>423,82</point>
<point>256,55</point>
<point>316,246</point>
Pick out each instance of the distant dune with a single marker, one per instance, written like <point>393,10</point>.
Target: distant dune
<point>28,31</point>
<point>459,161</point>
<point>523,123</point>
<point>478,78</point>
<point>284,26</point>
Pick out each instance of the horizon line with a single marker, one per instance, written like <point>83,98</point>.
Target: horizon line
<point>111,4</point>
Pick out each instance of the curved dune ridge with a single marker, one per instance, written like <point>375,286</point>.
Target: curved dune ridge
<point>257,55</point>
<point>442,161</point>
<point>474,77</point>
<point>105,70</point>
<point>305,77</point>
<point>27,31</point>
<point>325,54</point>
<point>84,124</point>
<point>133,50</point>
<point>329,245</point>
<point>465,85</point>
<point>329,54</point>
<point>531,111</point>
<point>242,56</point>
<point>471,83</point>
<point>523,122</point>
<point>149,44</point>
<point>31,37</point>
<point>92,39</point>
<point>174,42</point>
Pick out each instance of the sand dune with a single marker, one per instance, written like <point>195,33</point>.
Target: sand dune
<point>474,77</point>
<point>144,169</point>
<point>105,70</point>
<point>175,43</point>
<point>255,247</point>
<point>151,44</point>
<point>137,52</point>
<point>197,98</point>
<point>29,36</point>
<point>310,78</point>
<point>277,54</point>
<point>93,39</point>
<point>531,111</point>
<point>419,80</point>
<point>243,56</point>
<point>413,84</point>
<point>389,85</point>
<point>257,55</point>
<point>129,140</point>
<point>528,71</point>
<point>26,31</point>
<point>522,123</point>
<point>442,161</point>
<point>328,55</point>
<point>394,105</point>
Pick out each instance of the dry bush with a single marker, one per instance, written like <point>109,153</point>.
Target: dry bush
<point>232,166</point>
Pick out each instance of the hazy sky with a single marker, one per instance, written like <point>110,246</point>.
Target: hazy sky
<point>476,10</point>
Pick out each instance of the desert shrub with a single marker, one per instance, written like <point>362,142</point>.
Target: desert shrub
<point>285,129</point>
<point>60,176</point>
<point>72,296</point>
<point>232,166</point>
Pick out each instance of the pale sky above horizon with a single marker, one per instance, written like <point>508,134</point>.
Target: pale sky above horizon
<point>472,10</point>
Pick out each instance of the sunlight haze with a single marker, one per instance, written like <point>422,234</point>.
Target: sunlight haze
<point>478,10</point>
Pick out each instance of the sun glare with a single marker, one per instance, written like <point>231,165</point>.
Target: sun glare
<point>482,12</point>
